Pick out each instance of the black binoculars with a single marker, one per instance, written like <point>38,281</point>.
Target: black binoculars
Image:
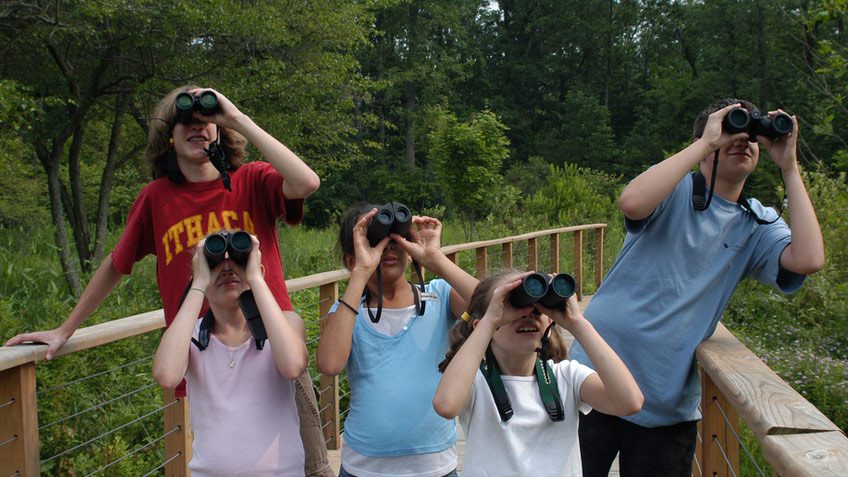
<point>551,291</point>
<point>392,217</point>
<point>186,103</point>
<point>238,244</point>
<point>756,123</point>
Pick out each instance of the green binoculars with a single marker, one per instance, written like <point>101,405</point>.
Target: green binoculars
<point>235,244</point>
<point>206,103</point>
<point>551,291</point>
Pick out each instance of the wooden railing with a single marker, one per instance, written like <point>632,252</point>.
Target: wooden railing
<point>796,438</point>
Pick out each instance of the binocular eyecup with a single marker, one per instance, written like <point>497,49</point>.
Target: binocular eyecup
<point>393,217</point>
<point>237,244</point>
<point>756,124</point>
<point>551,291</point>
<point>206,103</point>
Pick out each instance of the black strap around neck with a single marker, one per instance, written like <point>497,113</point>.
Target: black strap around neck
<point>419,303</point>
<point>701,202</point>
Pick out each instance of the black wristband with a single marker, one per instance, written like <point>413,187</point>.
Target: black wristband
<point>354,310</point>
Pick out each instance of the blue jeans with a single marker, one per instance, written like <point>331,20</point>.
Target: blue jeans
<point>642,451</point>
<point>343,473</point>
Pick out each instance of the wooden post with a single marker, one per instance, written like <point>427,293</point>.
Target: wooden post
<point>578,262</point>
<point>453,257</point>
<point>19,422</point>
<point>177,444</point>
<point>599,256</point>
<point>720,447</point>
<point>482,262</point>
<point>554,253</point>
<point>506,252</point>
<point>532,254</point>
<point>329,392</point>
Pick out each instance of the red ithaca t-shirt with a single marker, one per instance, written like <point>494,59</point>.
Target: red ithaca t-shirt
<point>168,220</point>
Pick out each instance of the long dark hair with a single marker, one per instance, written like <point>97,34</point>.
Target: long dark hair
<point>161,130</point>
<point>477,307</point>
<point>346,224</point>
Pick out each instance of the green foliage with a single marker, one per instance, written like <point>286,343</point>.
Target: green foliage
<point>575,195</point>
<point>468,158</point>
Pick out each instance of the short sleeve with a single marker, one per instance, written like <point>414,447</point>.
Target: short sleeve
<point>570,376</point>
<point>682,192</point>
<point>270,186</point>
<point>137,240</point>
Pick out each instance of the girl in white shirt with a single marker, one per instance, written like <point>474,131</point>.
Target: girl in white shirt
<point>495,355</point>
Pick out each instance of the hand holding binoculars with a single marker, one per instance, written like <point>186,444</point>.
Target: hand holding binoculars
<point>756,123</point>
<point>551,291</point>
<point>206,103</point>
<point>237,244</point>
<point>393,217</point>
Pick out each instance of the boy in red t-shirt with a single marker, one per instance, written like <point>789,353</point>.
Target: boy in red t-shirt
<point>186,201</point>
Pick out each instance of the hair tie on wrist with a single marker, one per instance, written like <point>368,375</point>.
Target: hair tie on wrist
<point>198,289</point>
<point>465,316</point>
<point>354,310</point>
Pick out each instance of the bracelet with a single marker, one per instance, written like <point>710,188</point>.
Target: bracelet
<point>354,310</point>
<point>198,289</point>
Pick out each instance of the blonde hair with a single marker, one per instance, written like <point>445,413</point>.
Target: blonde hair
<point>161,130</point>
<point>477,306</point>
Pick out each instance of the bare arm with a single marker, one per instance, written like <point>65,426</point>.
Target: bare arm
<point>170,362</point>
<point>299,180</point>
<point>454,390</point>
<point>612,390</point>
<point>805,254</point>
<point>102,283</point>
<point>425,248</point>
<point>644,193</point>
<point>335,343</point>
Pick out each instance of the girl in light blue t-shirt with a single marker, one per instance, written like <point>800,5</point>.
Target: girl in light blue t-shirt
<point>390,336</point>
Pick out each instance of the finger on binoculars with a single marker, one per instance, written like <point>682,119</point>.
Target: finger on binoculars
<point>723,111</point>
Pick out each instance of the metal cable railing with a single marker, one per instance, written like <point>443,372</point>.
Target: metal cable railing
<point>133,452</point>
<point>107,433</point>
<point>97,406</point>
<point>92,376</point>
<point>729,425</point>
<point>163,464</point>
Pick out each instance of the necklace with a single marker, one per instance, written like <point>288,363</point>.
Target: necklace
<point>231,353</point>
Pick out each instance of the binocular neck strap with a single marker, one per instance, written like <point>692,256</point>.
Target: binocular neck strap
<point>375,319</point>
<point>545,379</point>
<point>218,158</point>
<point>700,204</point>
<point>419,303</point>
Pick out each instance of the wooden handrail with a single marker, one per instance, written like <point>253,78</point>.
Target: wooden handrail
<point>797,439</point>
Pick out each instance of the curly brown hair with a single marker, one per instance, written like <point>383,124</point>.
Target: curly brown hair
<point>477,306</point>
<point>161,129</point>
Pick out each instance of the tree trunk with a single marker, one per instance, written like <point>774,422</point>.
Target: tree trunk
<point>50,162</point>
<point>121,104</point>
<point>761,55</point>
<point>411,103</point>
<point>77,214</point>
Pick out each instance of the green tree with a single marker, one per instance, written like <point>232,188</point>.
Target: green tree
<point>468,158</point>
<point>92,66</point>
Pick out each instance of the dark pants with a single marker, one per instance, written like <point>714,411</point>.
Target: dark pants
<point>642,451</point>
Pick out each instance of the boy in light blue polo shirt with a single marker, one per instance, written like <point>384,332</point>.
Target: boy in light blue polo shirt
<point>674,277</point>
